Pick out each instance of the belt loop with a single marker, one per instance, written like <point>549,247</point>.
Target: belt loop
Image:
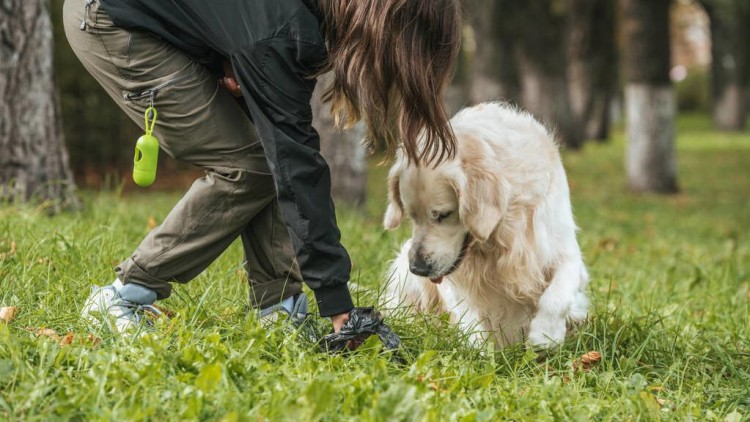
<point>86,9</point>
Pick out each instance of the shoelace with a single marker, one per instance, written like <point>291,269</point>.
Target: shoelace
<point>137,310</point>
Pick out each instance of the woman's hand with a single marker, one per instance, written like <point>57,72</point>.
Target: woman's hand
<point>338,321</point>
<point>229,81</point>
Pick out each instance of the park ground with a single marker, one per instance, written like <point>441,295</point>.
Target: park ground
<point>668,335</point>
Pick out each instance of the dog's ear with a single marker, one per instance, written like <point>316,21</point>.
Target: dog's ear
<point>395,211</point>
<point>482,196</point>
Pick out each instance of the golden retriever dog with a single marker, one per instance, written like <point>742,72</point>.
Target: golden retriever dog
<point>493,240</point>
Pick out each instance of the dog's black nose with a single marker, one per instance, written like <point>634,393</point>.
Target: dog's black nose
<point>420,269</point>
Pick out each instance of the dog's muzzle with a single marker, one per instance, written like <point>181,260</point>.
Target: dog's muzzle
<point>468,241</point>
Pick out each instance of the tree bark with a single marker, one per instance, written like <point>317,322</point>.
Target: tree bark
<point>650,103</point>
<point>650,157</point>
<point>730,64</point>
<point>540,51</point>
<point>521,58</point>
<point>85,130</point>
<point>592,55</point>
<point>33,158</point>
<point>342,149</point>
<point>494,74</point>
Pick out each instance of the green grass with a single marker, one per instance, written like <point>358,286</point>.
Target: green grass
<point>670,316</point>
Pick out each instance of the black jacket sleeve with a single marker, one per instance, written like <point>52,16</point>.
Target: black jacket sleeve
<point>274,75</point>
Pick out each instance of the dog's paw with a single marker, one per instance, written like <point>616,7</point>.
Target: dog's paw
<point>546,332</point>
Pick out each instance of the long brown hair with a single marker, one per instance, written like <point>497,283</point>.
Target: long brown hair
<point>392,60</point>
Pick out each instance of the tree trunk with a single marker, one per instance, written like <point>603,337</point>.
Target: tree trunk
<point>730,63</point>
<point>650,103</point>
<point>85,130</point>
<point>546,96</point>
<point>540,51</point>
<point>521,57</point>
<point>650,157</point>
<point>33,157</point>
<point>592,64</point>
<point>342,150</point>
<point>457,93</point>
<point>494,71</point>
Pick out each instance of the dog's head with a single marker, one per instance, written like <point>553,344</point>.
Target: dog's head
<point>451,205</point>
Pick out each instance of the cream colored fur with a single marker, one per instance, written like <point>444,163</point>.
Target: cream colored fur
<point>523,276</point>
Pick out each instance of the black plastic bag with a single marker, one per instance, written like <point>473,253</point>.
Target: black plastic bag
<point>362,323</point>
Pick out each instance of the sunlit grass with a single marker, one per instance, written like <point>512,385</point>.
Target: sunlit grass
<point>670,293</point>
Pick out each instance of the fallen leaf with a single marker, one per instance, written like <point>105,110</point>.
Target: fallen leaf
<point>608,244</point>
<point>591,357</point>
<point>151,223</point>
<point>67,339</point>
<point>47,332</point>
<point>44,332</point>
<point>167,313</point>
<point>587,361</point>
<point>431,383</point>
<point>71,338</point>
<point>12,251</point>
<point>7,313</point>
<point>93,340</point>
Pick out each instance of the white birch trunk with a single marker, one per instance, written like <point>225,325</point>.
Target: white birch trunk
<point>650,158</point>
<point>730,108</point>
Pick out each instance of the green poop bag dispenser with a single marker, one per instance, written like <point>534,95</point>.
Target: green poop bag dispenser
<point>146,153</point>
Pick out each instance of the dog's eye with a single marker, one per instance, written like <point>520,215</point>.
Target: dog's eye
<point>440,216</point>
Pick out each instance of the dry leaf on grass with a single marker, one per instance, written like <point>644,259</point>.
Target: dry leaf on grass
<point>587,361</point>
<point>167,313</point>
<point>72,338</point>
<point>44,332</point>
<point>12,250</point>
<point>8,313</point>
<point>151,223</point>
<point>608,244</point>
<point>67,339</point>
<point>432,384</point>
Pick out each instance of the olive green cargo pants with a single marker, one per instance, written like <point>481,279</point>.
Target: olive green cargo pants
<point>202,124</point>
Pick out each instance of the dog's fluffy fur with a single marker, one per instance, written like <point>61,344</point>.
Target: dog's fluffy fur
<point>495,225</point>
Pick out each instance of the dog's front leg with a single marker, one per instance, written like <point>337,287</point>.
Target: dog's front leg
<point>463,315</point>
<point>562,298</point>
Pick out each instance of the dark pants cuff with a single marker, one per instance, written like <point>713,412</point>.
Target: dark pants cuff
<point>267,293</point>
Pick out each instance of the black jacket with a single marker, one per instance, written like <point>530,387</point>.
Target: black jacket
<point>274,47</point>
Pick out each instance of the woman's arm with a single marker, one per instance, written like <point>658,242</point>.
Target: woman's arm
<point>274,78</point>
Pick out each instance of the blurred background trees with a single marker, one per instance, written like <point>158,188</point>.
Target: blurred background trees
<point>649,97</point>
<point>578,65</point>
<point>730,67</point>
<point>33,156</point>
<point>342,149</point>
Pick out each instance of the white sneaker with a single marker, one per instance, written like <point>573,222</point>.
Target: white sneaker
<point>294,306</point>
<point>120,307</point>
